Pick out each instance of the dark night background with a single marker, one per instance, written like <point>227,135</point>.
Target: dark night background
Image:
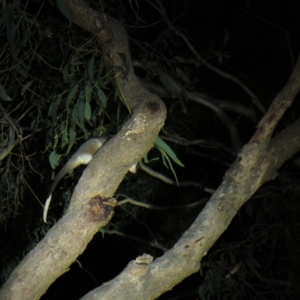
<point>258,42</point>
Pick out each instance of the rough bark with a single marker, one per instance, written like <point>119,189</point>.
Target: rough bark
<point>90,208</point>
<point>257,163</point>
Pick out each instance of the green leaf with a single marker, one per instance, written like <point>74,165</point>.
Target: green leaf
<point>90,68</point>
<point>171,85</point>
<point>72,93</point>
<point>54,107</point>
<point>32,125</point>
<point>81,126</point>
<point>88,91</point>
<point>101,81</point>
<point>78,117</point>
<point>22,70</point>
<point>146,159</point>
<point>26,87</point>
<point>63,134</point>
<point>65,73</point>
<point>102,97</point>
<point>53,159</point>
<point>80,111</point>
<point>72,138</point>
<point>161,145</point>
<point>171,166</point>
<point>3,94</point>
<point>181,74</point>
<point>87,111</point>
<point>64,9</point>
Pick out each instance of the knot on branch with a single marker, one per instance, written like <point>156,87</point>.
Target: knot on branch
<point>101,210</point>
<point>152,107</point>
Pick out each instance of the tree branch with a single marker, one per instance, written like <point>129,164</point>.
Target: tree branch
<point>90,206</point>
<point>254,166</point>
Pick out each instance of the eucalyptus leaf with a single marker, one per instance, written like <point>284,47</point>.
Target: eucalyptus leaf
<point>78,116</point>
<point>26,87</point>
<point>102,97</point>
<point>72,93</point>
<point>64,9</point>
<point>63,134</point>
<point>87,111</point>
<point>54,158</point>
<point>90,68</point>
<point>171,167</point>
<point>182,75</point>
<point>170,85</point>
<point>65,73</point>
<point>88,91</point>
<point>161,145</point>
<point>80,111</point>
<point>3,94</point>
<point>72,138</point>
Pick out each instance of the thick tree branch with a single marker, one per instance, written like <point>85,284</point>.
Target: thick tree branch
<point>90,206</point>
<point>280,104</point>
<point>257,163</point>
